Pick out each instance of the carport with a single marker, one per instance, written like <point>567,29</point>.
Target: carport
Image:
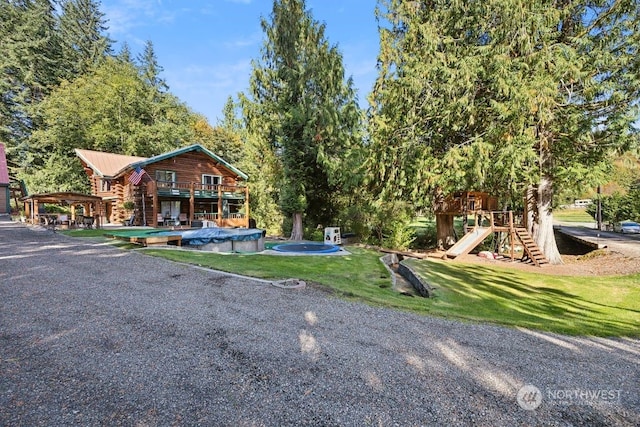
<point>92,205</point>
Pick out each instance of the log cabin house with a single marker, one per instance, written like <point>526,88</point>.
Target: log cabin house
<point>185,185</point>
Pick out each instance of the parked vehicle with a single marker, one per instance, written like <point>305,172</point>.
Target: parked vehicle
<point>626,227</point>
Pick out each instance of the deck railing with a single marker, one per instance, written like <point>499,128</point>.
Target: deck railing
<point>183,189</point>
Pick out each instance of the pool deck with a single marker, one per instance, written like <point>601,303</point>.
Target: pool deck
<point>148,240</point>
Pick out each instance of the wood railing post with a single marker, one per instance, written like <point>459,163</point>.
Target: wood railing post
<point>154,194</point>
<point>192,203</point>
<point>220,219</point>
<point>246,205</point>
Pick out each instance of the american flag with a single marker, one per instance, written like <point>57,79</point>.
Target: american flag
<point>136,176</point>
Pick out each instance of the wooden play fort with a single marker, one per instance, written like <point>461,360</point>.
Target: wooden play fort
<point>487,221</point>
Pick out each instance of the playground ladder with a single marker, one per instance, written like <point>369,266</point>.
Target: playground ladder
<point>531,249</point>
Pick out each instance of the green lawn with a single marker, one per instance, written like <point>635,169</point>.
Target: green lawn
<point>360,275</point>
<point>601,306</point>
<point>572,215</point>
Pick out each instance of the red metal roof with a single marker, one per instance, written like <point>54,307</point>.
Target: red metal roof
<point>4,170</point>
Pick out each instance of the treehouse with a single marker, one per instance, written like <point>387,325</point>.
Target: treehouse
<point>487,221</point>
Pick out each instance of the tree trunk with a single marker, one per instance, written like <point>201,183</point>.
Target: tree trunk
<point>296,229</point>
<point>445,234</point>
<point>543,227</point>
<point>530,208</point>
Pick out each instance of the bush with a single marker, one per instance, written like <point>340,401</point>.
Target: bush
<point>314,234</point>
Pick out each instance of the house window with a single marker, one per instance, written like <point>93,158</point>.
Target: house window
<point>210,180</point>
<point>166,178</point>
<point>105,185</point>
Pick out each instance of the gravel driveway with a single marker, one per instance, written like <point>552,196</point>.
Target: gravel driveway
<point>92,335</point>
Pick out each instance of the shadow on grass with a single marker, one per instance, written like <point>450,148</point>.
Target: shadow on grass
<point>568,305</point>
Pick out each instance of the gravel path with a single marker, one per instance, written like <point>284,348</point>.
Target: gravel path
<point>92,335</point>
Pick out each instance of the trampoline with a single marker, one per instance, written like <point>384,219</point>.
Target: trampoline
<point>311,248</point>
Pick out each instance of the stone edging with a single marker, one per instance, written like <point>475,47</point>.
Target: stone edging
<point>388,260</point>
<point>423,288</point>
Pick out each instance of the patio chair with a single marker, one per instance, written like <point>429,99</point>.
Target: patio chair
<point>160,219</point>
<point>183,219</point>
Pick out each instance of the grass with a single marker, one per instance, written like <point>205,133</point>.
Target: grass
<point>565,304</point>
<point>83,233</point>
<point>572,215</point>
<point>598,306</point>
<point>357,276</point>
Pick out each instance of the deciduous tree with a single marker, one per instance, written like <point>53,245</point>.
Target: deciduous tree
<point>105,110</point>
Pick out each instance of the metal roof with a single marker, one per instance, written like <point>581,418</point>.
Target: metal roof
<point>69,197</point>
<point>179,151</point>
<point>110,165</point>
<point>106,165</point>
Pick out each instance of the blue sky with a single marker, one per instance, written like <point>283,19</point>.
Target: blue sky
<point>206,47</point>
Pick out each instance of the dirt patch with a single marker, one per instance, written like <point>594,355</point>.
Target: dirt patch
<point>602,262</point>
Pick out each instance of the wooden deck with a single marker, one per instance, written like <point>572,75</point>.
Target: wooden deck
<point>148,240</point>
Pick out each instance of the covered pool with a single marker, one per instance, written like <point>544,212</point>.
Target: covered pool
<point>209,239</point>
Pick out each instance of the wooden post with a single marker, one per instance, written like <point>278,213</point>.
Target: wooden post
<point>512,234</point>
<point>246,205</point>
<point>97,214</point>
<point>36,212</point>
<point>192,203</point>
<point>512,240</point>
<point>219,219</point>
<point>154,194</point>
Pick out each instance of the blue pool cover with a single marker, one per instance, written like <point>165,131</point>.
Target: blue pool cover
<point>202,236</point>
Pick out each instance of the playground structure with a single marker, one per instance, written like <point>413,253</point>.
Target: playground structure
<point>488,221</point>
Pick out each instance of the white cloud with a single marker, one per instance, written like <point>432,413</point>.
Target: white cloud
<point>125,15</point>
<point>251,40</point>
<point>207,87</point>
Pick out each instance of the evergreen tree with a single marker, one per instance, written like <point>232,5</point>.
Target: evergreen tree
<point>150,69</point>
<point>125,54</point>
<point>29,58</point>
<point>303,106</point>
<point>82,30</point>
<point>502,95</point>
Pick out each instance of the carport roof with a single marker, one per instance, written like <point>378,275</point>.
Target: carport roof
<point>68,197</point>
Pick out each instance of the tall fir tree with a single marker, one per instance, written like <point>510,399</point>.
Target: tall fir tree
<point>124,54</point>
<point>83,32</point>
<point>29,70</point>
<point>150,69</point>
<point>305,108</point>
